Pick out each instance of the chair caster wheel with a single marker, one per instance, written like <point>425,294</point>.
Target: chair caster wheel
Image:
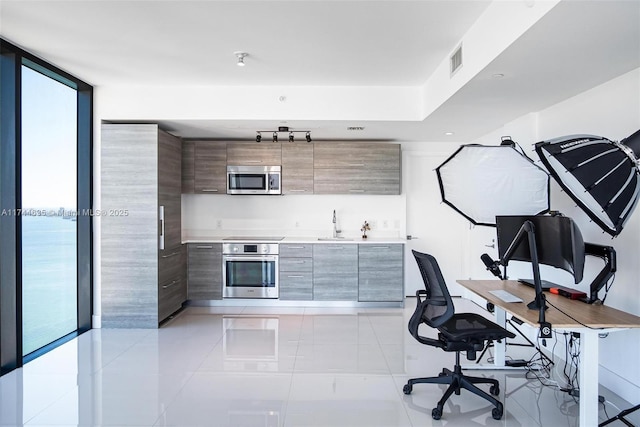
<point>496,412</point>
<point>407,389</point>
<point>494,390</point>
<point>436,413</point>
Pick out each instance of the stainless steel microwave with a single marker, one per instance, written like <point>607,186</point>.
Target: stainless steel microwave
<point>254,180</point>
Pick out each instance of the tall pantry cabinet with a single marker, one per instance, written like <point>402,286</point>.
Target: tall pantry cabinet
<point>143,262</point>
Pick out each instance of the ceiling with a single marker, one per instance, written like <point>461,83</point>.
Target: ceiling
<point>575,46</point>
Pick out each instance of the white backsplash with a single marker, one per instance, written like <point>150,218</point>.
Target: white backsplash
<point>206,215</point>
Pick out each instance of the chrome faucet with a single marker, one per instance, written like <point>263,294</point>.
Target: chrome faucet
<point>335,225</point>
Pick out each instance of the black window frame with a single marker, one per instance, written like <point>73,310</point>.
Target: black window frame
<point>12,58</point>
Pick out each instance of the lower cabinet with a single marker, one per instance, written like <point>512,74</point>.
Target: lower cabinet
<point>296,272</point>
<point>380,272</point>
<point>172,286</point>
<point>204,271</point>
<point>335,272</point>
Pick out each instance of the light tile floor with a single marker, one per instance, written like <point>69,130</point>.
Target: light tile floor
<point>257,366</point>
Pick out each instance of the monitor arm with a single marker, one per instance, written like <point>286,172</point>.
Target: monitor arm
<point>527,231</point>
<point>608,254</point>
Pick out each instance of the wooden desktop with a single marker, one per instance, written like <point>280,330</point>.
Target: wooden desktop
<point>589,320</point>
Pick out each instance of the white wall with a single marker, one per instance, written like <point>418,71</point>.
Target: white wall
<point>611,110</point>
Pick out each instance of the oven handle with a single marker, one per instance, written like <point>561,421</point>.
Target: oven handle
<point>227,258</point>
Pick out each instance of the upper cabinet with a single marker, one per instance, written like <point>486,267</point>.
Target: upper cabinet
<point>204,167</point>
<point>297,168</point>
<point>254,154</point>
<point>356,168</point>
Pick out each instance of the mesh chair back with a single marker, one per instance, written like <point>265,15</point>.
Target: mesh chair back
<point>438,307</point>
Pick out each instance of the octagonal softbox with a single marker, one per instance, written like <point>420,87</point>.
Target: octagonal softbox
<point>480,182</point>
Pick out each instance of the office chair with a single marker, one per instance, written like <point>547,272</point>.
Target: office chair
<point>457,332</point>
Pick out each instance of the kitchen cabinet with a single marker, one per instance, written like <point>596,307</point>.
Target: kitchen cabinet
<point>356,168</point>
<point>297,168</point>
<point>254,154</point>
<point>380,272</point>
<point>204,271</point>
<point>210,167</point>
<point>142,262</point>
<point>188,166</point>
<point>335,272</point>
<point>296,272</point>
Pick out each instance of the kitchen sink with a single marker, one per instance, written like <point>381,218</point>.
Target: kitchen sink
<point>334,239</point>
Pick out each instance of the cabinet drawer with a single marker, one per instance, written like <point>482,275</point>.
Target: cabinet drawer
<point>171,295</point>
<point>296,286</point>
<point>295,250</point>
<point>170,263</point>
<point>296,264</point>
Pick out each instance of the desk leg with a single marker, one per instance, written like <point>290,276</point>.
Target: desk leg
<point>500,348</point>
<point>588,378</point>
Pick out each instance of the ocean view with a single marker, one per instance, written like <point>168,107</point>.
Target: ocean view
<point>48,279</point>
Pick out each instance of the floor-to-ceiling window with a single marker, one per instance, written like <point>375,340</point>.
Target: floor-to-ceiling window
<point>48,216</point>
<point>45,197</point>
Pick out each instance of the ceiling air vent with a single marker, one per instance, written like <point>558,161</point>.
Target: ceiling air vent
<point>456,60</point>
<point>356,128</point>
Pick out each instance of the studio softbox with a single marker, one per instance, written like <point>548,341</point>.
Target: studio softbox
<point>480,182</point>
<point>600,175</point>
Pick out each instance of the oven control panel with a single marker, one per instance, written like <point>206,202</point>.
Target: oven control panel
<point>250,248</point>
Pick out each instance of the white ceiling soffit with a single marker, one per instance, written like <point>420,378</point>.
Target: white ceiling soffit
<point>349,47</point>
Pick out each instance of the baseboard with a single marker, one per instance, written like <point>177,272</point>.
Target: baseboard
<point>619,385</point>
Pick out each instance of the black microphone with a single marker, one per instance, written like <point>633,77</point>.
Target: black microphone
<point>491,265</point>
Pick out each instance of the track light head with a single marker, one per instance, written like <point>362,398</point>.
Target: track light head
<point>308,136</point>
<point>258,137</point>
<point>290,136</point>
<point>275,137</point>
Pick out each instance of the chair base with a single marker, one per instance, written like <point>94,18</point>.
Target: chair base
<point>458,381</point>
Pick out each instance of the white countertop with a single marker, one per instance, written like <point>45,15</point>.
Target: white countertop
<point>299,239</point>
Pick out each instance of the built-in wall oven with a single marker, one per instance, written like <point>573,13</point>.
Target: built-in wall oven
<point>250,270</point>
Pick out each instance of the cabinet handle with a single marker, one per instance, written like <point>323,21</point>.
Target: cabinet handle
<point>298,262</point>
<point>336,247</point>
<point>204,247</point>
<point>295,277</point>
<point>356,191</point>
<point>254,161</point>
<point>356,164</point>
<point>295,247</point>
<point>209,190</point>
<point>297,191</point>
<point>380,247</point>
<point>170,284</point>
<point>161,226</point>
<point>171,254</point>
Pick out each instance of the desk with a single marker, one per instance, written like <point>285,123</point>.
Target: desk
<point>587,319</point>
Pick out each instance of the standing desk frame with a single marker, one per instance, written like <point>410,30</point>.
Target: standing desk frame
<point>589,320</point>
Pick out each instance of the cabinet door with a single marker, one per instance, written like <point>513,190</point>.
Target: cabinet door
<point>210,167</point>
<point>170,187</point>
<point>356,181</point>
<point>204,271</point>
<point>380,272</point>
<point>297,168</point>
<point>335,272</point>
<point>254,154</point>
<point>188,167</point>
<point>371,156</point>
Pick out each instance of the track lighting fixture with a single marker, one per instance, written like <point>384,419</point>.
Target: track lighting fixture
<point>240,56</point>
<point>283,129</point>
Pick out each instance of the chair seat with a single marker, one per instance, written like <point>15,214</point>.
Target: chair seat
<point>471,326</point>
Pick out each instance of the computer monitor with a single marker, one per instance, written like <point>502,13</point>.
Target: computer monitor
<point>558,239</point>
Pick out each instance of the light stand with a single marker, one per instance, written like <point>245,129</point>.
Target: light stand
<point>608,254</point>
<point>527,230</point>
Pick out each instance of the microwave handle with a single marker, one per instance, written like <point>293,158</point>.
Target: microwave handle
<point>274,181</point>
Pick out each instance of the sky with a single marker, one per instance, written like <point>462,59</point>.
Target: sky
<point>48,142</point>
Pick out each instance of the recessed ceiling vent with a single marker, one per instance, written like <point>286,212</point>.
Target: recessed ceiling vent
<point>355,128</point>
<point>456,60</point>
